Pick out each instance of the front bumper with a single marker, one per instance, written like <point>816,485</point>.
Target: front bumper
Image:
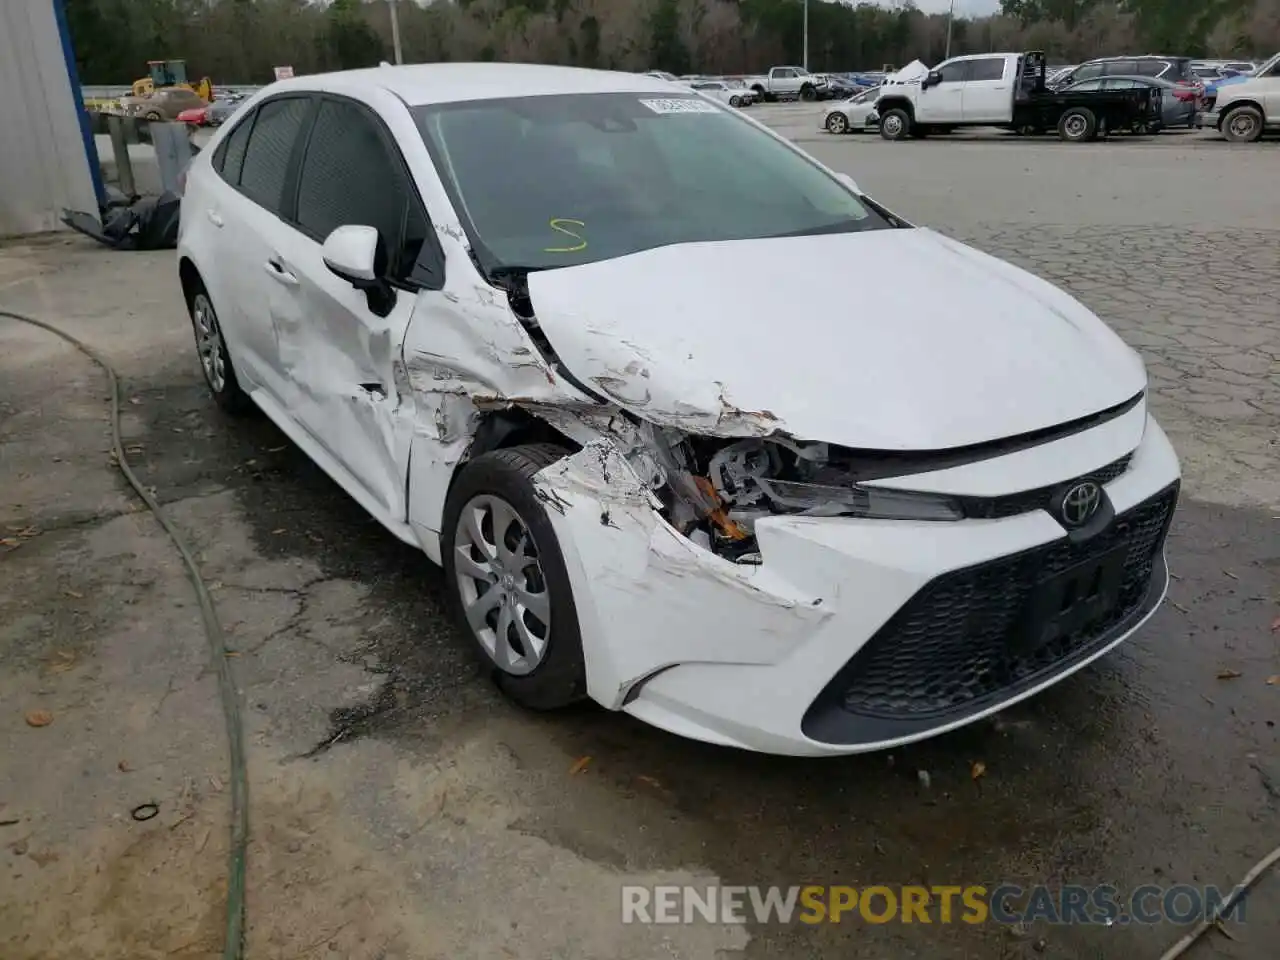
<point>852,635</point>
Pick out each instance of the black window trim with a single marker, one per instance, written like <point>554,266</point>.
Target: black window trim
<point>220,154</point>
<point>293,183</point>
<point>293,155</point>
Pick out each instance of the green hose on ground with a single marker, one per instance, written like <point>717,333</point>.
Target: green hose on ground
<point>233,947</point>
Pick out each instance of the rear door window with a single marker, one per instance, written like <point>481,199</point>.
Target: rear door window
<point>1121,68</point>
<point>229,157</point>
<point>1152,68</point>
<point>988,68</point>
<point>271,144</point>
<point>1088,72</point>
<point>353,174</point>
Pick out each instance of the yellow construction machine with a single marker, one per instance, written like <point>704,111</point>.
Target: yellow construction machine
<point>170,73</point>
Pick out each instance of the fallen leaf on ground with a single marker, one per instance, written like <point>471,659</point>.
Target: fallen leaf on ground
<point>977,769</point>
<point>1228,674</point>
<point>123,767</point>
<point>1275,624</point>
<point>39,718</point>
<point>74,595</point>
<point>277,532</point>
<point>43,859</point>
<point>579,765</point>
<point>650,781</point>
<point>1274,681</point>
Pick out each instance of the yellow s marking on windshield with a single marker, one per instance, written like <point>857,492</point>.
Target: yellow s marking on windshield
<point>557,224</point>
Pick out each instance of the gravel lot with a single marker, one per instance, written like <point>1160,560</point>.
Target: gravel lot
<point>402,810</point>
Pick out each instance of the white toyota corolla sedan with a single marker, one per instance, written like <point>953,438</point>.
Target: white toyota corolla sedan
<point>567,332</point>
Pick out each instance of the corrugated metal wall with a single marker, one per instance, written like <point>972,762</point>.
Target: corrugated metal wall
<point>44,161</point>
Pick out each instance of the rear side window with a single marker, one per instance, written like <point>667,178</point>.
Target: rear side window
<point>1087,85</point>
<point>350,175</point>
<point>989,68</point>
<point>229,157</point>
<point>1121,68</point>
<point>1121,83</point>
<point>266,160</point>
<point>1154,68</point>
<point>1088,72</point>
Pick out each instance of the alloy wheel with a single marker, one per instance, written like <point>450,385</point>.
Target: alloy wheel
<point>501,584</point>
<point>209,342</point>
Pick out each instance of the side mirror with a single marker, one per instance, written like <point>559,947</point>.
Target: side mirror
<point>352,253</point>
<point>849,182</point>
<point>932,80</point>
<point>357,254</point>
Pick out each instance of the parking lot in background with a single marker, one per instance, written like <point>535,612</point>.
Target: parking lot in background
<point>401,809</point>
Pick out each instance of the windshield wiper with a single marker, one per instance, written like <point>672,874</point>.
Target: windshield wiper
<point>840,226</point>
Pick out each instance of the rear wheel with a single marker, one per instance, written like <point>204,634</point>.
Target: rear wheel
<point>506,577</point>
<point>1242,124</point>
<point>837,123</point>
<point>807,93</point>
<point>1077,125</point>
<point>895,124</point>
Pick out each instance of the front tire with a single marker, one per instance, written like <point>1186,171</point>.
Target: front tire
<point>1242,124</point>
<point>215,360</point>
<point>735,101</point>
<point>837,123</point>
<point>808,94</point>
<point>895,124</point>
<point>507,580</point>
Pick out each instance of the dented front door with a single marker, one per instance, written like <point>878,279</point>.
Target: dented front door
<point>340,359</point>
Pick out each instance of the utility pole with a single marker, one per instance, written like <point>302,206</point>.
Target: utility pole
<point>951,15</point>
<point>805,64</point>
<point>395,30</point>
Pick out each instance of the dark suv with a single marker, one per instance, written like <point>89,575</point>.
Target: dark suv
<point>1174,69</point>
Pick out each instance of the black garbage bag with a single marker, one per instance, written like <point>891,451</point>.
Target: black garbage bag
<point>149,223</point>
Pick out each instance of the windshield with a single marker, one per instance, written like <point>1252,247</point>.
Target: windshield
<point>554,181</point>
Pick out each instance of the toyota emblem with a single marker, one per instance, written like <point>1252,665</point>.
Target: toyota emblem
<point>1080,503</point>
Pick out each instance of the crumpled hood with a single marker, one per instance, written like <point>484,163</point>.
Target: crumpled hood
<point>888,339</point>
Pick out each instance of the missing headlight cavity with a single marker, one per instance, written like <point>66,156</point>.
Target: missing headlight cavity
<point>717,490</point>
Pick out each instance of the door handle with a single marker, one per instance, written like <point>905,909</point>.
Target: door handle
<point>276,270</point>
<point>214,217</point>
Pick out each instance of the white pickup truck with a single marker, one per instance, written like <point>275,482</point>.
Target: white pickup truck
<point>1004,90</point>
<point>788,83</point>
<point>1243,110</point>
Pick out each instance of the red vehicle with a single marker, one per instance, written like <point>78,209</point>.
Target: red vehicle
<point>197,116</point>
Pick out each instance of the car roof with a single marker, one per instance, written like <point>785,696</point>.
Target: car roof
<point>427,83</point>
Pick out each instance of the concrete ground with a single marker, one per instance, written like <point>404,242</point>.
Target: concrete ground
<point>401,809</point>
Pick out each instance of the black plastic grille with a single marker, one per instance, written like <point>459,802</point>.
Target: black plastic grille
<point>956,644</point>
<point>995,508</point>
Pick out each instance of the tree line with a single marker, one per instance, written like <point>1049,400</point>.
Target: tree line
<point>240,41</point>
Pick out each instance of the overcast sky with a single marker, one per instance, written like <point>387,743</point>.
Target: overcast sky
<point>963,7</point>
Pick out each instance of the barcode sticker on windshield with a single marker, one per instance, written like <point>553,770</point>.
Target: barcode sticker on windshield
<point>681,105</point>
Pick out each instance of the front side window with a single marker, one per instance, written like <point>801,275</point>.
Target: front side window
<point>266,158</point>
<point>544,182</point>
<point>1121,83</point>
<point>954,72</point>
<point>1087,72</point>
<point>1087,86</point>
<point>349,176</point>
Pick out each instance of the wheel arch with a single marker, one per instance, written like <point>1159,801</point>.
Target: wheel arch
<point>885,104</point>
<point>1224,112</point>
<point>190,278</point>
